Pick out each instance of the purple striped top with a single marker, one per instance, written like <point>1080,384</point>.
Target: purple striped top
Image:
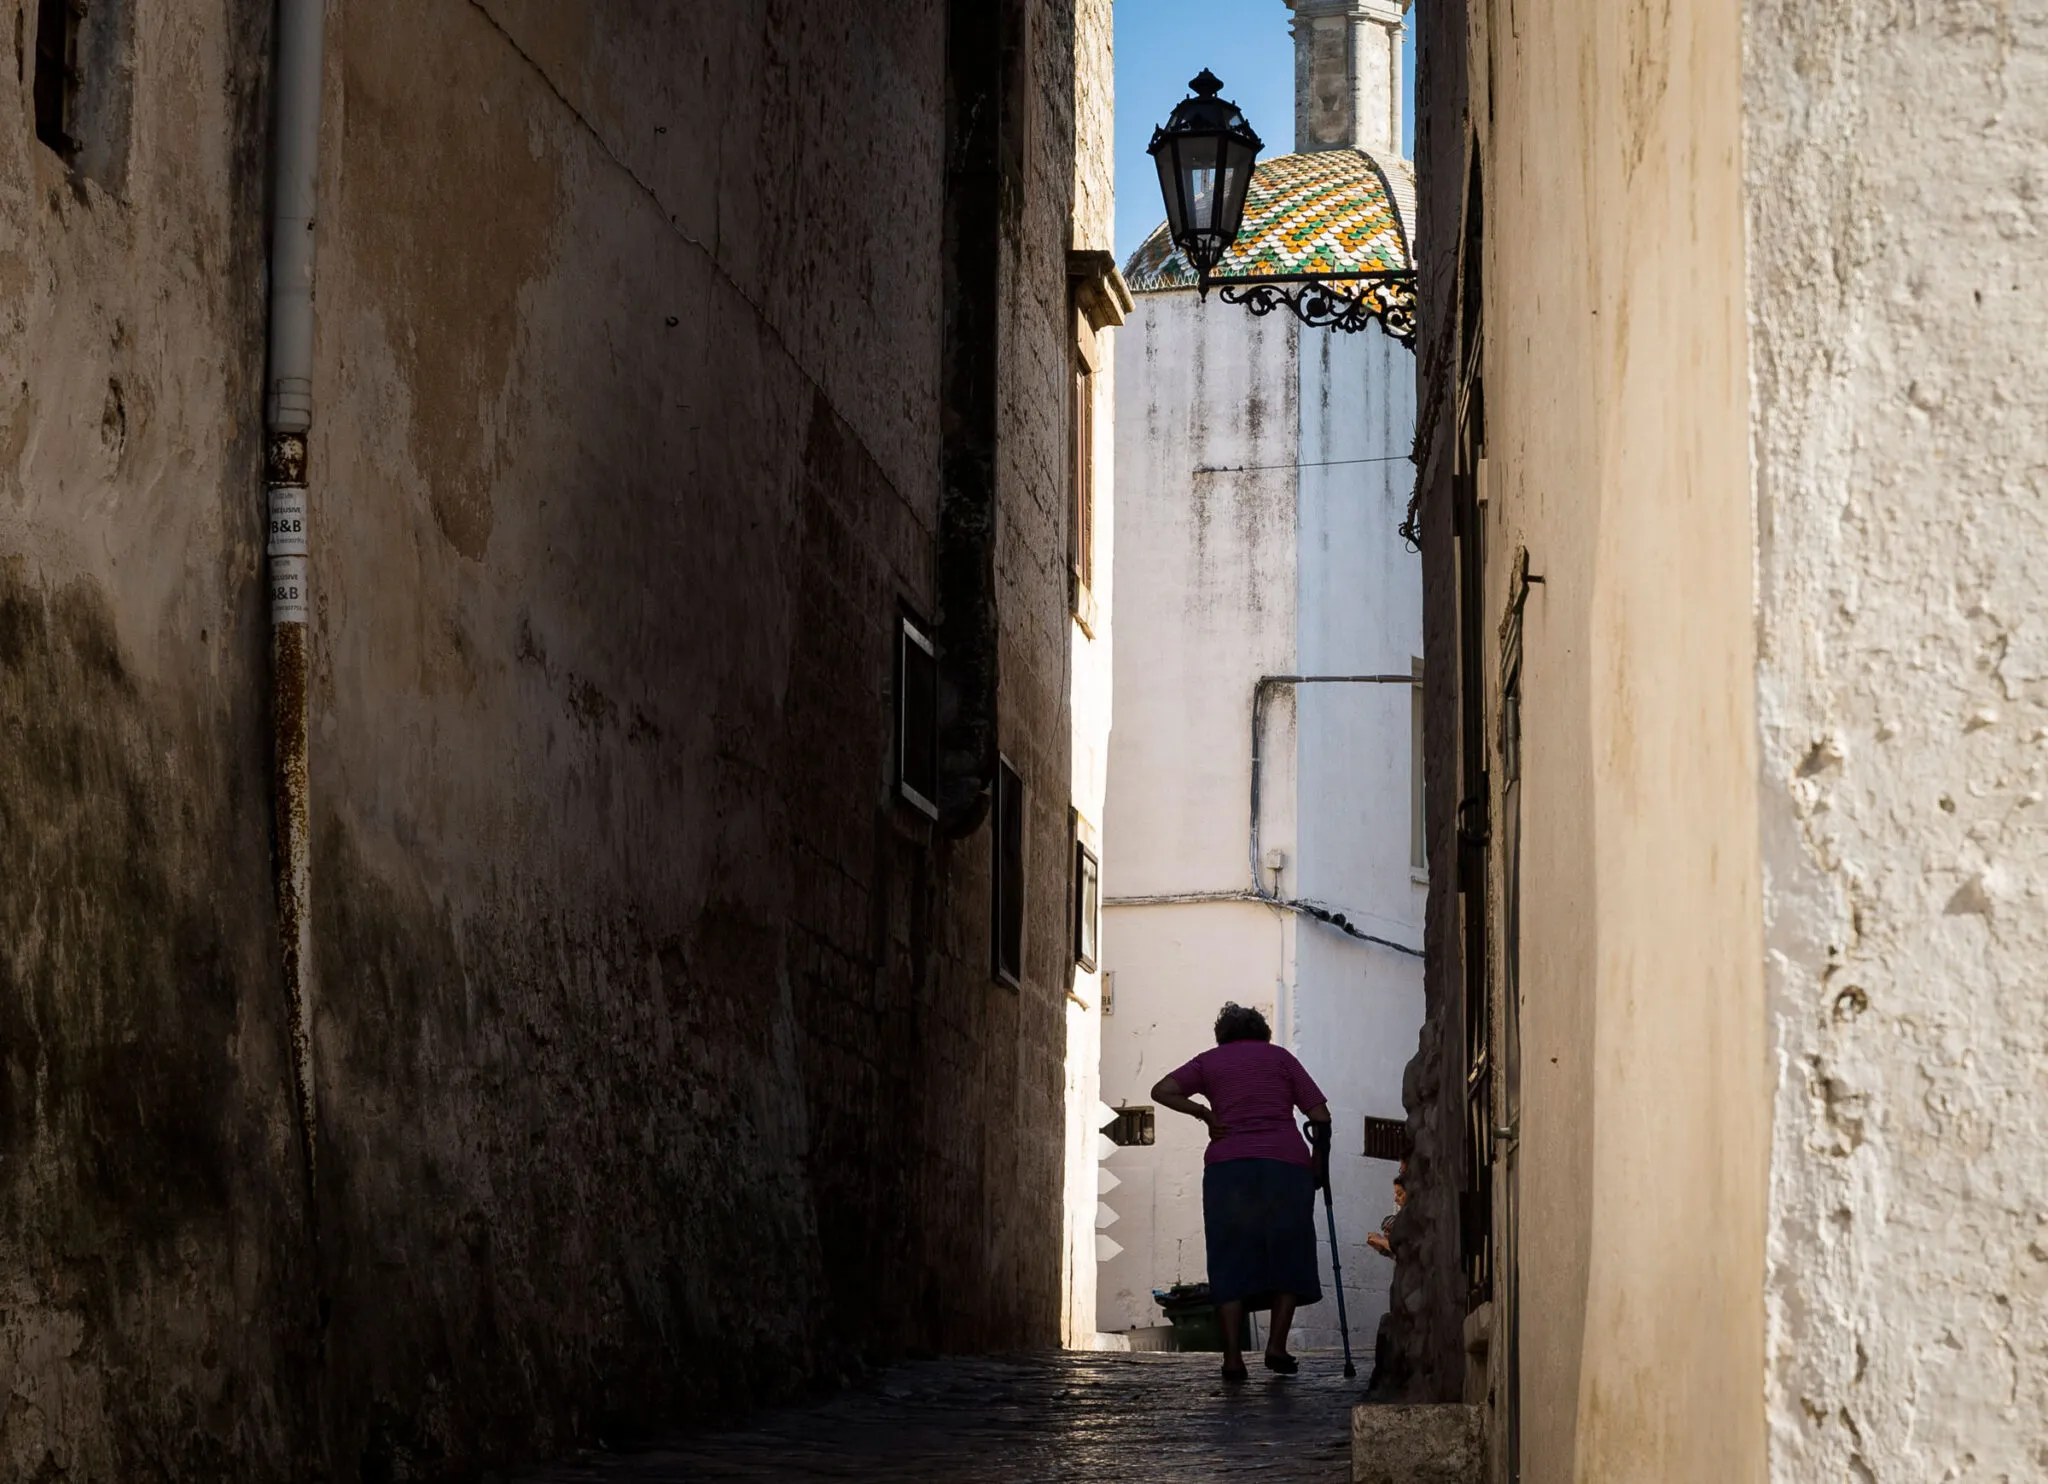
<point>1255,1088</point>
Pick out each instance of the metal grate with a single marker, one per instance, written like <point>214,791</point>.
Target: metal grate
<point>1131,1126</point>
<point>1386,1138</point>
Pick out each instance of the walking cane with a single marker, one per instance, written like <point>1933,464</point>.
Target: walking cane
<point>1321,1145</point>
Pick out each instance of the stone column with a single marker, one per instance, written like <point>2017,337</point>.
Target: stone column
<point>1347,74</point>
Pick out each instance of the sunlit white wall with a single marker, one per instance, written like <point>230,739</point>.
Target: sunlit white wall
<point>1261,474</point>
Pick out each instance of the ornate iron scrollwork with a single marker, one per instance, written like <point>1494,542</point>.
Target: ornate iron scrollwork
<point>1335,303</point>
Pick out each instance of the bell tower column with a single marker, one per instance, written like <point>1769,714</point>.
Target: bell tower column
<point>1347,75</point>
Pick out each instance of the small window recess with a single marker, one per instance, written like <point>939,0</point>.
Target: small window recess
<point>1006,876</point>
<point>1087,907</point>
<point>1082,524</point>
<point>1133,1127</point>
<point>917,717</point>
<point>82,83</point>
<point>56,78</point>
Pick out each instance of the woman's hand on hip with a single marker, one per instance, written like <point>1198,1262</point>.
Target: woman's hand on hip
<point>1166,1092</point>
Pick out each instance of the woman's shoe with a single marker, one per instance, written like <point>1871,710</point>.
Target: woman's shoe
<point>1284,1363</point>
<point>1235,1372</point>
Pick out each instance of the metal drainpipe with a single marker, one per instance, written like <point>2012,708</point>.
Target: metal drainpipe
<point>969,632</point>
<point>288,416</point>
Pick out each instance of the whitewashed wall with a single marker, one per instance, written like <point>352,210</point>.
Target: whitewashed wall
<point>1899,341</point>
<point>1204,575</point>
<point>1358,1007</point>
<point>1088,685</point>
<point>1235,561</point>
<point>1091,695</point>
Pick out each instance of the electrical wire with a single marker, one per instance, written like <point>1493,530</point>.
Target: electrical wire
<point>1392,458</point>
<point>1316,910</point>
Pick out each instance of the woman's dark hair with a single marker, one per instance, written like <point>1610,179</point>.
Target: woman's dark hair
<point>1236,1023</point>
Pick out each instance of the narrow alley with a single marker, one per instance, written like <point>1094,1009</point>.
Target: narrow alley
<point>896,741</point>
<point>1046,1418</point>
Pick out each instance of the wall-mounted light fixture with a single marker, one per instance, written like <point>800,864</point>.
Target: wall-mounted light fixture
<point>1205,153</point>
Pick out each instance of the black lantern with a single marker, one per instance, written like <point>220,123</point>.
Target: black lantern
<point>1205,155</point>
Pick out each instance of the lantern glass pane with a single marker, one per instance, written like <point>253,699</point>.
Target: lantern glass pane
<point>1235,182</point>
<point>1165,158</point>
<point>1200,162</point>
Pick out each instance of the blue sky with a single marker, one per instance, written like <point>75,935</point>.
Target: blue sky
<point>1160,44</point>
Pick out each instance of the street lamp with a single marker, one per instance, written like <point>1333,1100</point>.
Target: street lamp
<point>1204,154</point>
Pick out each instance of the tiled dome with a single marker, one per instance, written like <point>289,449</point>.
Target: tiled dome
<point>1331,211</point>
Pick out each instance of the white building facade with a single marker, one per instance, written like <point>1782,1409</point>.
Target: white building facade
<point>1263,475</point>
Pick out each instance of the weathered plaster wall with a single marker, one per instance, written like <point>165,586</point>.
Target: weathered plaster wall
<point>1893,165</point>
<point>1355,1007</point>
<point>1206,582</point>
<point>660,1066</point>
<point>1261,487</point>
<point>1613,364</point>
<point>149,1195</point>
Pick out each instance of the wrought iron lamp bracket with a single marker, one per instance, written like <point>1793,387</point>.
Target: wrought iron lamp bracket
<point>1339,301</point>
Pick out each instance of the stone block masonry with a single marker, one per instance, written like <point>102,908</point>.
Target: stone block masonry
<point>660,1068</point>
<point>1417,1445</point>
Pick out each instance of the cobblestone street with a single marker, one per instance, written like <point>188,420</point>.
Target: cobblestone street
<point>1052,1417</point>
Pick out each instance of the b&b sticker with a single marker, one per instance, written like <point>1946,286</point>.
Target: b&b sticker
<point>287,521</point>
<point>290,594</point>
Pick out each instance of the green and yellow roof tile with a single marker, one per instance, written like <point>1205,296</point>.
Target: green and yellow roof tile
<point>1326,212</point>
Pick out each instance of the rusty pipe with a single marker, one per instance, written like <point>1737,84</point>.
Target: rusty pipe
<point>288,417</point>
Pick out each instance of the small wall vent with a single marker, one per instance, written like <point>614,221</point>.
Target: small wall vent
<point>1132,1126</point>
<point>1386,1138</point>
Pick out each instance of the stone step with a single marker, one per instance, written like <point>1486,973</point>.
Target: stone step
<point>1417,1445</point>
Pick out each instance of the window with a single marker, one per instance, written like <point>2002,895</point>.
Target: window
<point>1007,875</point>
<point>1087,905</point>
<point>1132,1126</point>
<point>84,73</point>
<point>917,718</point>
<point>1081,480</point>
<point>56,83</point>
<point>1418,832</point>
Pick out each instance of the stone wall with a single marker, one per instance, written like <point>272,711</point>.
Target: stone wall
<point>1609,869</point>
<point>1421,1352</point>
<point>659,1066</point>
<point>1764,406</point>
<point>1893,173</point>
<point>151,1207</point>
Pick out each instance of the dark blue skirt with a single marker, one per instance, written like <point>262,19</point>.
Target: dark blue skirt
<point>1259,1216</point>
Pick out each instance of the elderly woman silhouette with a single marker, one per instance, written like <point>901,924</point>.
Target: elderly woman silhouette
<point>1258,1180</point>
